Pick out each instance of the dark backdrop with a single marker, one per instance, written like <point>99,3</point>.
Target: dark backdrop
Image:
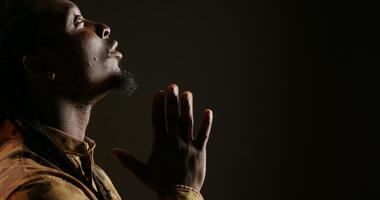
<point>290,82</point>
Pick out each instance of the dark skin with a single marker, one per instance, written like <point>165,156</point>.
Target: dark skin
<point>85,62</point>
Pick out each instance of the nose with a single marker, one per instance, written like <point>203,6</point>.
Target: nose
<point>103,31</point>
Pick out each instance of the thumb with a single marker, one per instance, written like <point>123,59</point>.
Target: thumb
<point>135,166</point>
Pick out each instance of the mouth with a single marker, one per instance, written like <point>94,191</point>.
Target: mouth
<point>113,52</point>
<point>116,54</point>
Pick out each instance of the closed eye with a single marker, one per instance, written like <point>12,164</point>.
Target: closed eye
<point>78,21</point>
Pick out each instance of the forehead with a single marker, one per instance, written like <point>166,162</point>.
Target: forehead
<point>53,17</point>
<point>58,8</point>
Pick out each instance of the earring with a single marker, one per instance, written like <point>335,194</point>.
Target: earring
<point>51,75</point>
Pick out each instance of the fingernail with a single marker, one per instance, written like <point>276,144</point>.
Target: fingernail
<point>173,88</point>
<point>115,153</point>
<point>188,96</point>
<point>159,94</point>
<point>209,113</point>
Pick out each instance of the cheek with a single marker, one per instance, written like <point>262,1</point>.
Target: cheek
<point>89,60</point>
<point>92,48</point>
<point>92,53</point>
<point>95,56</point>
<point>77,52</point>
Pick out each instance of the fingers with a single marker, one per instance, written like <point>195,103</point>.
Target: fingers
<point>179,121</point>
<point>130,162</point>
<point>187,121</point>
<point>205,129</point>
<point>158,114</point>
<point>172,110</point>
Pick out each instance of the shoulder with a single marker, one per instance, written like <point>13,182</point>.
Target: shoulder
<point>24,174</point>
<point>47,187</point>
<point>12,171</point>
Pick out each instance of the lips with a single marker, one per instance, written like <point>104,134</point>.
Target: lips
<point>114,52</point>
<point>117,54</point>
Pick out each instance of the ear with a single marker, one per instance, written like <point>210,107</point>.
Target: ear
<point>34,65</point>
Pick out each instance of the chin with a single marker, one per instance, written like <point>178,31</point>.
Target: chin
<point>122,82</point>
<point>126,83</point>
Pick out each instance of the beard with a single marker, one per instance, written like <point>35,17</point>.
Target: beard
<point>123,83</point>
<point>126,83</point>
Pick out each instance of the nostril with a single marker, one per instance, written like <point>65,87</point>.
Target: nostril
<point>104,30</point>
<point>106,33</point>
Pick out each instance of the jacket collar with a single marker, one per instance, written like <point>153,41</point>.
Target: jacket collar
<point>70,144</point>
<point>66,142</point>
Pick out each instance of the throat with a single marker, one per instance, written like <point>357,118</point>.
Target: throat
<point>65,116</point>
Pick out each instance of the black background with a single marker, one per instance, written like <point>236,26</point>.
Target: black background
<point>291,83</point>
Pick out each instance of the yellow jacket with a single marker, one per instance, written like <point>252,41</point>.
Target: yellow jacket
<point>25,175</point>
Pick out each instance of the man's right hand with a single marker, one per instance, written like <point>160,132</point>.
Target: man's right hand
<point>177,158</point>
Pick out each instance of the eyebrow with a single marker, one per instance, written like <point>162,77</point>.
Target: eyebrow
<point>69,7</point>
<point>68,10</point>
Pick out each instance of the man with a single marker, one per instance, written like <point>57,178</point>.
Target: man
<point>54,66</point>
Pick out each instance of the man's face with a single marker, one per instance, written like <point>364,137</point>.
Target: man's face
<point>79,51</point>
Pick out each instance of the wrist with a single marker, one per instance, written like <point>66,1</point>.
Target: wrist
<point>180,191</point>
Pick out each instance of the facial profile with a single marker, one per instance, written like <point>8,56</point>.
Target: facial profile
<point>79,51</point>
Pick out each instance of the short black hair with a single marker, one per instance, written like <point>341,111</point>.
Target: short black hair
<point>17,38</point>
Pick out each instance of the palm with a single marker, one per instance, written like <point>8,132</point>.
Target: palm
<point>176,158</point>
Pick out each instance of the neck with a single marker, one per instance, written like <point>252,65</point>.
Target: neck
<point>64,115</point>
